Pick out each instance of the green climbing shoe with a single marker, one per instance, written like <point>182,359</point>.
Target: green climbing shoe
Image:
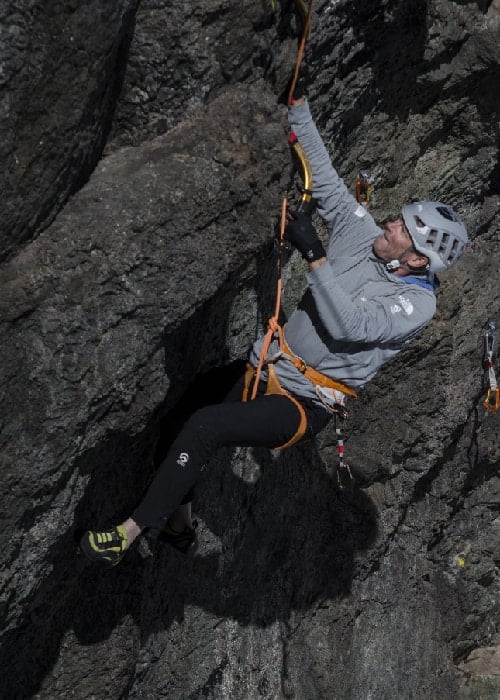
<point>106,548</point>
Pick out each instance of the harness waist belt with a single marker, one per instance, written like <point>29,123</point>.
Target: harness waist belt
<point>317,378</point>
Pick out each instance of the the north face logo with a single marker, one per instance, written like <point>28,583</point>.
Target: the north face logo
<point>406,304</point>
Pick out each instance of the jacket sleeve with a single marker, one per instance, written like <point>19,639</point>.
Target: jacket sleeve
<point>396,316</point>
<point>332,197</point>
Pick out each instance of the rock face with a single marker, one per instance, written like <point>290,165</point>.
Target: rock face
<point>62,65</point>
<point>135,299</point>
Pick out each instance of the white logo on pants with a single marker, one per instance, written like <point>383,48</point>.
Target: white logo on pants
<point>183,459</point>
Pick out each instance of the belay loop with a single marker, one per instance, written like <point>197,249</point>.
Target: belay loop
<point>492,400</point>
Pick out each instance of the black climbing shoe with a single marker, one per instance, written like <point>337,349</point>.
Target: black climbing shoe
<point>184,542</point>
<point>106,548</point>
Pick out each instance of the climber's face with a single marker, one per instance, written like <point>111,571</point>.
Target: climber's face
<point>394,241</point>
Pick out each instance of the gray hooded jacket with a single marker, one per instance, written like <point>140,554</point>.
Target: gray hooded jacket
<point>355,314</point>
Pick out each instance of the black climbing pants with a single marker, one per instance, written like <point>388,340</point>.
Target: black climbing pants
<point>267,421</point>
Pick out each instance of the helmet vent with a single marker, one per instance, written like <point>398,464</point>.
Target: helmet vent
<point>431,237</point>
<point>447,213</point>
<point>443,245</point>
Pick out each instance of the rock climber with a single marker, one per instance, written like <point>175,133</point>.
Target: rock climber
<point>370,292</point>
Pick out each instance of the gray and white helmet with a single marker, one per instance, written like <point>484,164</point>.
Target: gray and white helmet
<point>437,232</point>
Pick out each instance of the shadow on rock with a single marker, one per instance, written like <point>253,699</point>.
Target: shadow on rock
<point>278,543</point>
<point>282,544</point>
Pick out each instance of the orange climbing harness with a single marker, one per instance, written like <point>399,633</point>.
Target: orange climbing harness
<point>317,378</point>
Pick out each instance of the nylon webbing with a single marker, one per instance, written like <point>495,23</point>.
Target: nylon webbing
<point>273,323</point>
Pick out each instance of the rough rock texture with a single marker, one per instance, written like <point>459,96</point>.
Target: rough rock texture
<point>98,311</point>
<point>155,273</point>
<point>183,54</point>
<point>61,64</point>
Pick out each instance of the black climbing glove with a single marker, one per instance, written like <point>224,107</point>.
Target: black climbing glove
<point>301,232</point>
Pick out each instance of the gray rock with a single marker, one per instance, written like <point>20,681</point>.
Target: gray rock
<point>59,73</point>
<point>119,316</point>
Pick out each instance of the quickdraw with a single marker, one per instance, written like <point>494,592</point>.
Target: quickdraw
<point>364,188</point>
<point>492,400</point>
<point>344,474</point>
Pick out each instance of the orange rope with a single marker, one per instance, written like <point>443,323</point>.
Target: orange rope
<point>272,324</point>
<point>300,53</point>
